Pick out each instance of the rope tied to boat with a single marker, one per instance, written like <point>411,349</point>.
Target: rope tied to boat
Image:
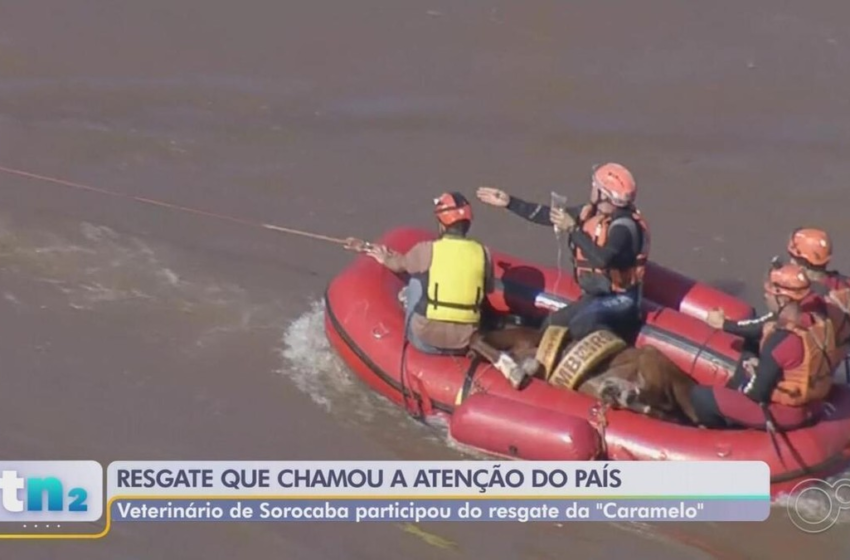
<point>475,383</point>
<point>775,430</point>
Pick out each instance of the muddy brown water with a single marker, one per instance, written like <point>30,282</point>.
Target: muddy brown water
<point>147,334</point>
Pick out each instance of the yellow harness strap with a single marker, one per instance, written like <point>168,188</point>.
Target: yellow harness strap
<point>549,348</point>
<point>583,358</point>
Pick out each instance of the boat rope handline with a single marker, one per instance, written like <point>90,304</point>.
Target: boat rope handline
<point>172,206</point>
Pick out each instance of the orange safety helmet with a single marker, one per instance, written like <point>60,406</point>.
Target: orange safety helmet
<point>616,183</point>
<point>451,208</point>
<point>788,280</point>
<point>810,245</point>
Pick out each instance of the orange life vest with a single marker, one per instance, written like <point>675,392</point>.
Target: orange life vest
<point>812,379</point>
<point>597,226</point>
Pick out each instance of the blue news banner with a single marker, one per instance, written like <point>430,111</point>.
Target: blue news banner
<point>420,510</point>
<point>67,498</point>
<point>438,491</point>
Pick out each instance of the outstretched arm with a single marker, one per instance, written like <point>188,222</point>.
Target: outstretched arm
<point>537,213</point>
<point>384,255</point>
<point>416,260</point>
<point>749,329</point>
<point>393,260</point>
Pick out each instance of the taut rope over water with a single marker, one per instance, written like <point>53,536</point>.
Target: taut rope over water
<point>347,243</point>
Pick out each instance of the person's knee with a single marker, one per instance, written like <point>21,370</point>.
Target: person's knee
<point>413,291</point>
<point>621,323</point>
<point>585,325</point>
<point>411,294</point>
<point>705,407</point>
<point>560,318</point>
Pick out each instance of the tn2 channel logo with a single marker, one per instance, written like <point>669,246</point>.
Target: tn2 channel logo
<point>51,491</point>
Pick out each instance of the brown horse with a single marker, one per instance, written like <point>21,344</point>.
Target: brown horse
<point>600,365</point>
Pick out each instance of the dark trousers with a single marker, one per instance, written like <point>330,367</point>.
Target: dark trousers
<point>728,407</point>
<point>619,313</point>
<point>722,407</point>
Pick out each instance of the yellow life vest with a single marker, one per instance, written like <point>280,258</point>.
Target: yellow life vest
<point>455,281</point>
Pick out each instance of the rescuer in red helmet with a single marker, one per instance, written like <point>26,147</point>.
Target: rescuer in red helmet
<point>449,278</point>
<point>609,241</point>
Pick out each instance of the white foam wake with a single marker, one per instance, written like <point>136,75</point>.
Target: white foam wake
<point>312,364</point>
<point>95,267</point>
<point>315,369</point>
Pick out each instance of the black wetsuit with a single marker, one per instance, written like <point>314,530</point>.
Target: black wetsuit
<point>599,306</point>
<point>750,330</point>
<point>739,403</point>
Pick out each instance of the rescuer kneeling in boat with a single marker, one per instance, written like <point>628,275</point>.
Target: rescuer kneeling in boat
<point>609,241</point>
<point>811,249</point>
<point>792,374</point>
<point>449,279</point>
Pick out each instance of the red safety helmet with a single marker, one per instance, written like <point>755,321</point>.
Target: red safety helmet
<point>616,183</point>
<point>810,245</point>
<point>451,208</point>
<point>787,280</point>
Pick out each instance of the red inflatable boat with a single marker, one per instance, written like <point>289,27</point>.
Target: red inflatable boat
<point>364,323</point>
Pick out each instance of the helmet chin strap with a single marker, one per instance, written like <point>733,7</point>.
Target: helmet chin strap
<point>782,307</point>
<point>603,197</point>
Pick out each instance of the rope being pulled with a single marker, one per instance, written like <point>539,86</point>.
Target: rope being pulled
<point>349,243</point>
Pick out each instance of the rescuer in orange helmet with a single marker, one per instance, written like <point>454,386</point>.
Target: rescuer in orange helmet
<point>811,249</point>
<point>609,242</point>
<point>791,375</point>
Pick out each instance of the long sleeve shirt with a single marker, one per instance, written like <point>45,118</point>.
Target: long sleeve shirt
<point>618,252</point>
<point>781,350</point>
<point>440,334</point>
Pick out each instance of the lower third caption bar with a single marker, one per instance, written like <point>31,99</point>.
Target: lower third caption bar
<point>606,509</point>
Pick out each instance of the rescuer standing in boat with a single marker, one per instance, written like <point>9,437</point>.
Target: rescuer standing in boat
<point>609,242</point>
<point>449,279</point>
<point>792,374</point>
